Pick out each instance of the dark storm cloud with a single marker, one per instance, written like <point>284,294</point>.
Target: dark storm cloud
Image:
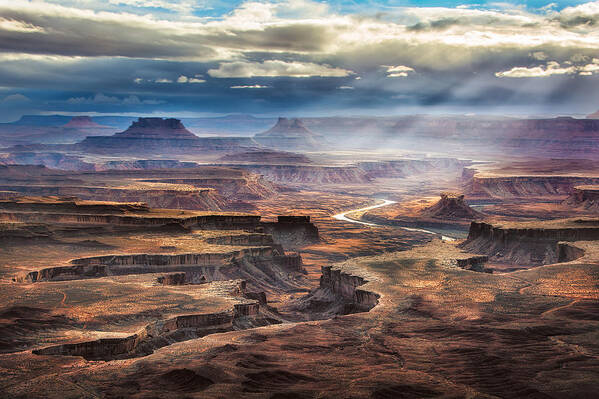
<point>296,53</point>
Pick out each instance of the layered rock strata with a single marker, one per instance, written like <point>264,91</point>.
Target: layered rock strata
<point>528,244</point>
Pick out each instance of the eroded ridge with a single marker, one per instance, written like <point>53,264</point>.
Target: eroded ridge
<point>161,333</point>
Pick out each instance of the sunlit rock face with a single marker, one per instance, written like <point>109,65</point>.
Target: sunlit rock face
<point>290,134</point>
<point>532,243</point>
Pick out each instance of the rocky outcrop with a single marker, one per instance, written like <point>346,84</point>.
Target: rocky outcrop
<point>257,296</point>
<point>584,198</point>
<point>162,333</point>
<point>338,293</point>
<point>474,263</point>
<point>525,244</point>
<point>290,134</point>
<point>172,279</point>
<point>451,206</point>
<point>346,286</point>
<point>567,252</point>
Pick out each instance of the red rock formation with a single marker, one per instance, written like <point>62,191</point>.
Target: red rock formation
<point>451,206</point>
<point>527,244</point>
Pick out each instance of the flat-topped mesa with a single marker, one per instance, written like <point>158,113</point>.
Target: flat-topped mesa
<point>451,206</point>
<point>290,134</point>
<point>79,122</point>
<point>528,243</point>
<point>158,135</point>
<point>157,128</point>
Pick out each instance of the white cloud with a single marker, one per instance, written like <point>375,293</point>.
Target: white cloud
<point>552,68</point>
<point>250,87</point>
<point>345,88</point>
<point>320,41</point>
<point>185,79</point>
<point>274,68</point>
<point>18,26</point>
<point>399,71</point>
<point>580,15</point>
<point>163,80</point>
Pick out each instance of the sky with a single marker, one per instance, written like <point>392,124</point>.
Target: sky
<point>297,57</point>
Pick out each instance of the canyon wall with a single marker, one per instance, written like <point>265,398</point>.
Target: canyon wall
<point>309,173</point>
<point>527,245</point>
<point>153,336</point>
<point>524,186</point>
<point>345,286</point>
<point>292,231</point>
<point>196,199</point>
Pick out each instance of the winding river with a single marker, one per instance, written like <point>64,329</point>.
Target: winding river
<point>343,217</point>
